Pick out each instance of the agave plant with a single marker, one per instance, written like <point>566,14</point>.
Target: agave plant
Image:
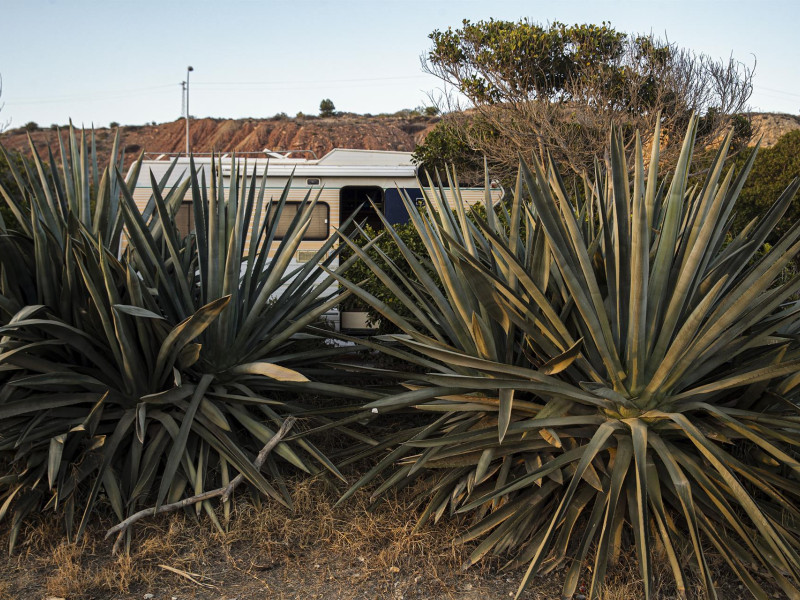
<point>135,369</point>
<point>254,347</point>
<point>617,365</point>
<point>79,340</point>
<point>270,302</point>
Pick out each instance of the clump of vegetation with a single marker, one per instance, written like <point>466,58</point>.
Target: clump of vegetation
<point>386,253</point>
<point>773,170</point>
<point>600,385</point>
<point>419,111</point>
<point>447,145</point>
<point>144,373</point>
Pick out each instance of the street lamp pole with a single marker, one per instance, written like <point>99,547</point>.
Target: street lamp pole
<point>188,147</point>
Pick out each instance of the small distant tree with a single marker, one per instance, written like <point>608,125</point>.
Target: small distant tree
<point>113,125</point>
<point>31,126</point>
<point>326,108</point>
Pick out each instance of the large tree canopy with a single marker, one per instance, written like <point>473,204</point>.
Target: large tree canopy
<point>556,88</point>
<point>497,61</point>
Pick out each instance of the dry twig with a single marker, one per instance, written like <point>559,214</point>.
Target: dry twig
<point>193,577</point>
<point>223,492</point>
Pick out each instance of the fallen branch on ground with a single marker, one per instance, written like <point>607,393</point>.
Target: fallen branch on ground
<point>224,492</point>
<point>190,576</point>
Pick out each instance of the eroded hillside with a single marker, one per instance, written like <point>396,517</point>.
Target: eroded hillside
<point>316,134</point>
<point>319,135</point>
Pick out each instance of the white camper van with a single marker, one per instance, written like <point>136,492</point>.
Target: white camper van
<point>347,180</point>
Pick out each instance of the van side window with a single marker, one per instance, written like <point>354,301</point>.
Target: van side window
<point>318,229</point>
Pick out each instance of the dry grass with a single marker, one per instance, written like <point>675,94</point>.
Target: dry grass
<point>317,551</point>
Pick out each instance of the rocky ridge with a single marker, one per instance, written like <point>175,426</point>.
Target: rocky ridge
<point>319,135</point>
<point>771,126</point>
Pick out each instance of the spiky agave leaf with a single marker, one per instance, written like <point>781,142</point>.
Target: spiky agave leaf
<point>674,426</point>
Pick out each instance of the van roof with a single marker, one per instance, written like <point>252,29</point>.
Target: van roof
<point>339,162</point>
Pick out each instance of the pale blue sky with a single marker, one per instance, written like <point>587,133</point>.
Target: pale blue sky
<point>100,61</point>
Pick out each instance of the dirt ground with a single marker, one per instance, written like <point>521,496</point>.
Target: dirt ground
<point>316,552</point>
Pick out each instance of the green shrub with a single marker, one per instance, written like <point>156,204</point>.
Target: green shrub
<point>446,146</point>
<point>384,252</point>
<point>387,253</point>
<point>773,170</point>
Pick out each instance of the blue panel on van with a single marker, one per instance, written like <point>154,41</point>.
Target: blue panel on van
<point>394,209</point>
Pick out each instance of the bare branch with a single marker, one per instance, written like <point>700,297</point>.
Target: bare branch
<point>223,492</point>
